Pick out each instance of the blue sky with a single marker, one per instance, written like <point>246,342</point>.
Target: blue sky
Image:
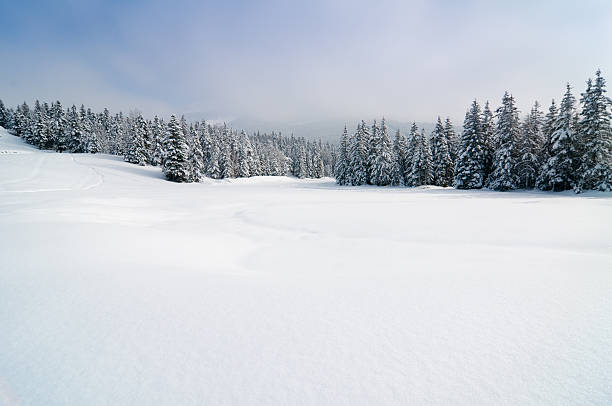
<point>300,60</point>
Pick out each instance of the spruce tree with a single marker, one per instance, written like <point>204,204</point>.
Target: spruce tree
<point>507,132</point>
<point>400,152</point>
<point>470,165</point>
<point>548,128</point>
<point>358,156</point>
<point>488,138</point>
<point>558,172</point>
<point>176,164</point>
<point>197,169</point>
<point>595,169</point>
<point>3,115</point>
<point>75,132</point>
<point>157,136</point>
<point>421,170</point>
<point>453,141</point>
<point>442,166</point>
<point>342,163</point>
<point>530,145</point>
<point>382,160</point>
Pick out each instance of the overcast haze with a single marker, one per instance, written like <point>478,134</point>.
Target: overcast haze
<point>306,60</point>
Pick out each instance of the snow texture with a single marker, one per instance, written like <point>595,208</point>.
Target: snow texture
<point>118,287</point>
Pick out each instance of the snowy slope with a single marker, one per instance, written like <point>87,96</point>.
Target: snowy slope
<point>118,287</point>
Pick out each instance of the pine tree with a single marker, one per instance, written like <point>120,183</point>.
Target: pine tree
<point>400,152</point>
<point>197,169</point>
<point>342,164</point>
<point>244,156</point>
<point>157,136</point>
<point>469,169</point>
<point>488,138</point>
<point>382,160</point>
<point>213,169</point>
<point>421,170</point>
<point>41,131</point>
<point>442,166</point>
<point>373,152</point>
<point>4,119</point>
<point>453,141</point>
<point>548,128</point>
<point>595,169</point>
<point>558,172</point>
<point>176,164</point>
<point>358,155</point>
<point>140,145</point>
<point>75,134</point>
<point>507,132</point>
<point>530,145</point>
<point>410,149</point>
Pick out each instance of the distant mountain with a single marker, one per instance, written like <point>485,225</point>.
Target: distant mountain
<point>326,130</point>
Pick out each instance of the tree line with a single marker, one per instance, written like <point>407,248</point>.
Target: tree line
<point>562,150</point>
<point>186,152</point>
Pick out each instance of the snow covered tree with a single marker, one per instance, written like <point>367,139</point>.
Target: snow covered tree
<point>530,144</point>
<point>213,169</point>
<point>140,145</point>
<point>342,163</point>
<point>507,132</point>
<point>596,138</point>
<point>157,137</point>
<point>4,118</point>
<point>421,169</point>
<point>76,142</point>
<point>358,156</point>
<point>381,158</point>
<point>488,138</point>
<point>453,141</point>
<point>197,169</point>
<point>469,169</point>
<point>400,152</point>
<point>176,165</point>
<point>442,165</point>
<point>244,156</point>
<point>558,172</point>
<point>548,128</point>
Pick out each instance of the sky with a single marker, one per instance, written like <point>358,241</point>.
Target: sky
<point>300,60</point>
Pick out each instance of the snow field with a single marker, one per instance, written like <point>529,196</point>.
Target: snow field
<point>118,287</point>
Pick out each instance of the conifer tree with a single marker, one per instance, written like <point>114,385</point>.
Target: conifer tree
<point>382,160</point>
<point>4,121</point>
<point>442,166</point>
<point>197,169</point>
<point>400,152</point>
<point>453,141</point>
<point>75,135</point>
<point>488,138</point>
<point>558,172</point>
<point>469,169</point>
<point>176,164</point>
<point>530,145</point>
<point>595,169</point>
<point>358,152</point>
<point>421,170</point>
<point>342,163</point>
<point>140,145</point>
<point>548,128</point>
<point>157,136</point>
<point>507,132</point>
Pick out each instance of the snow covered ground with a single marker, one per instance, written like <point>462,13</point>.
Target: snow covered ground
<point>118,287</point>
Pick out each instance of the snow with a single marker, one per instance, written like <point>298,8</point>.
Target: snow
<point>118,287</point>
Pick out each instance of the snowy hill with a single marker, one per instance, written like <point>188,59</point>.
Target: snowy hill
<point>118,287</point>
